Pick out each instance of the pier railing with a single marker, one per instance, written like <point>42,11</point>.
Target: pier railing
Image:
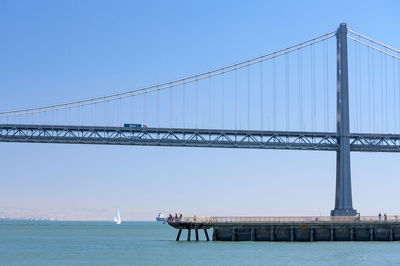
<point>283,219</point>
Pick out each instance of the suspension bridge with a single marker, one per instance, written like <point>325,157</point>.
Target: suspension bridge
<point>286,99</point>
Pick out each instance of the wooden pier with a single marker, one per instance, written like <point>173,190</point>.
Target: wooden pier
<point>308,228</point>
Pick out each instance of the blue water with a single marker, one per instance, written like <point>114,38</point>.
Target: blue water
<point>150,243</point>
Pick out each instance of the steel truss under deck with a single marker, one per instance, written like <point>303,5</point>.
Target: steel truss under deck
<point>182,137</point>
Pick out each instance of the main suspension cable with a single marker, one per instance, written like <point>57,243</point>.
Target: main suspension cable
<point>373,41</point>
<point>189,79</point>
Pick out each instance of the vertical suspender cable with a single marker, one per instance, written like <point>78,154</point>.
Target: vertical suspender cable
<point>324,83</point>
<point>223,101</point>
<point>119,112</point>
<point>68,112</point>
<point>398,84</point>
<point>287,92</point>
<point>369,88</point>
<point>358,88</point>
<point>300,90</point>
<point>104,115</point>
<point>327,85</point>
<point>145,109</point>
<point>381,77</point>
<point>111,113</point>
<point>261,97</point>
<point>274,93</point>
<point>157,107</point>
<point>81,115</point>
<point>311,90</point>
<point>209,101</point>
<point>314,93</point>
<point>170,106</point>
<point>133,110</point>
<point>248,98</point>
<point>183,103</point>
<point>236,96</point>
<point>197,103</point>
<point>90,114</point>
<point>386,97</point>
<point>394,97</point>
<point>95,114</point>
<point>360,102</point>
<point>374,127</point>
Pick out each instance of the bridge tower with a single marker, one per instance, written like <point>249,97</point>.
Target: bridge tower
<point>343,197</point>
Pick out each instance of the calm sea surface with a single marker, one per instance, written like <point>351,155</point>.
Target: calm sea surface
<point>150,243</point>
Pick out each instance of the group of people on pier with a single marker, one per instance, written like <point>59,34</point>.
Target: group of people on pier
<point>176,217</point>
<point>385,217</point>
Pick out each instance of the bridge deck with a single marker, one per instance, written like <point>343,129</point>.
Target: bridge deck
<point>184,137</point>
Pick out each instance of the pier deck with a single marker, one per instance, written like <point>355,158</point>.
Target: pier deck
<point>308,228</point>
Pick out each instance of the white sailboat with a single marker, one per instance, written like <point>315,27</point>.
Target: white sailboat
<point>117,217</point>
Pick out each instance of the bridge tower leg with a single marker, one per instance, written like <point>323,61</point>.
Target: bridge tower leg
<point>343,197</point>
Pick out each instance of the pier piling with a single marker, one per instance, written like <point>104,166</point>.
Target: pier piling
<point>272,234</point>
<point>205,232</point>
<point>179,234</point>
<point>253,235</point>
<point>291,234</point>
<point>311,235</point>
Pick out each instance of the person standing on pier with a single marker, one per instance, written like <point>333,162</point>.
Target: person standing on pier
<point>385,217</point>
<point>380,216</point>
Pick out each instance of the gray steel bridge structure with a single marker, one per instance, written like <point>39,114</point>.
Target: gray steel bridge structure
<point>342,141</point>
<point>208,138</point>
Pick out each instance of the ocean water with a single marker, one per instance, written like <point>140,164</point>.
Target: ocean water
<point>151,243</point>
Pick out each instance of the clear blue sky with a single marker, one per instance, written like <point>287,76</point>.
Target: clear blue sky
<point>55,51</point>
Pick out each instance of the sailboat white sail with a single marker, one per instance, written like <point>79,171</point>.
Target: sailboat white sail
<point>117,217</point>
